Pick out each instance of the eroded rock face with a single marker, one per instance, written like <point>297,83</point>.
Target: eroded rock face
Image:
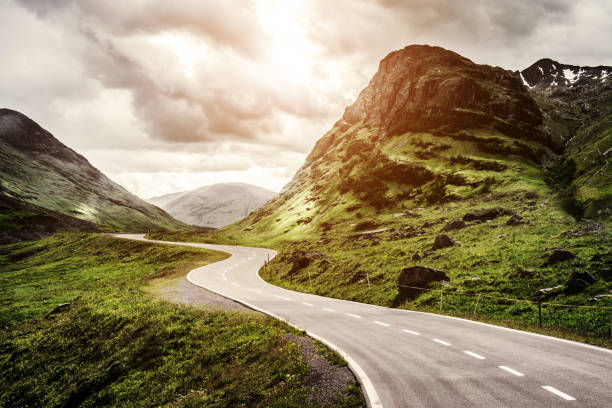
<point>417,86</point>
<point>415,277</point>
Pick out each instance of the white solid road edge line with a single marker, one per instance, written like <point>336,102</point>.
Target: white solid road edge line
<point>371,396</point>
<point>478,356</point>
<point>575,343</point>
<point>559,393</point>
<point>512,371</point>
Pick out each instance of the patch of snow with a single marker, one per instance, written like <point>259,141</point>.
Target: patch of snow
<point>570,75</point>
<point>525,82</point>
<point>554,66</point>
<point>541,70</point>
<point>605,74</point>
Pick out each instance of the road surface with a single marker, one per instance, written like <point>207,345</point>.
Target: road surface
<point>414,359</point>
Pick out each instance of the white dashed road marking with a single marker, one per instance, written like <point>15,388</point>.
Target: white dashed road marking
<point>381,323</point>
<point>255,290</point>
<point>411,332</point>
<point>329,310</point>
<point>511,371</point>
<point>235,284</point>
<point>282,297</point>
<point>308,304</point>
<point>559,393</point>
<point>445,343</point>
<point>354,315</point>
<point>478,356</point>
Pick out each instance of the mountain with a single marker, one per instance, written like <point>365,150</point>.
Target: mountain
<point>577,111</point>
<point>443,169</point>
<point>215,206</point>
<point>38,169</point>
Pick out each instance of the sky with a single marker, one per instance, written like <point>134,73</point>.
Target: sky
<point>166,96</point>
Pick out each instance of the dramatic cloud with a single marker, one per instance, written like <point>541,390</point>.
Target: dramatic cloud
<point>172,95</point>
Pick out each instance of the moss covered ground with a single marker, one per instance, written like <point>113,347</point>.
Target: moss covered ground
<point>80,329</point>
<point>320,226</point>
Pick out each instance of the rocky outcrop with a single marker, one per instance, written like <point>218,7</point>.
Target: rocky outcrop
<point>415,277</point>
<point>426,88</point>
<point>559,255</point>
<point>516,220</point>
<point>487,214</point>
<point>578,281</point>
<point>454,225</point>
<point>443,241</point>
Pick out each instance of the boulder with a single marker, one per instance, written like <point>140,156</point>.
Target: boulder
<point>559,255</point>
<point>416,256</point>
<point>516,220</point>
<point>454,225</point>
<point>415,277</point>
<point>578,281</point>
<point>443,241</point>
<point>547,292</point>
<point>487,214</point>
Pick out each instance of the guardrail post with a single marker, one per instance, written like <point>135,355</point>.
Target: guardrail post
<point>476,307</point>
<point>540,312</point>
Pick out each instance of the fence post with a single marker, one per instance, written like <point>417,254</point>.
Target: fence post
<point>476,307</point>
<point>441,291</point>
<point>368,278</point>
<point>309,281</point>
<point>540,311</point>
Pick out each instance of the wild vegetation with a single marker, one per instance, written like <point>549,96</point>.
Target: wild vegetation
<point>79,328</point>
<point>472,181</point>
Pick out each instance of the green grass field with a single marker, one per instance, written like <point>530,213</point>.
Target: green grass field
<point>315,225</point>
<point>112,343</point>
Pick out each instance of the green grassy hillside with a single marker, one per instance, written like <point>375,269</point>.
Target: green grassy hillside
<point>38,169</point>
<point>439,145</point>
<point>79,329</point>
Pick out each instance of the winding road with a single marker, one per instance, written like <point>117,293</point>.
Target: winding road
<point>413,359</point>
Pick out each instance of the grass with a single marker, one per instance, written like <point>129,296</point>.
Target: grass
<point>489,258</point>
<point>81,329</point>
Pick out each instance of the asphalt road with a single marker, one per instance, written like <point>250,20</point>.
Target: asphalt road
<point>414,359</point>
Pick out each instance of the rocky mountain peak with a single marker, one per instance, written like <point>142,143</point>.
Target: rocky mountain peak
<point>547,73</point>
<point>421,87</point>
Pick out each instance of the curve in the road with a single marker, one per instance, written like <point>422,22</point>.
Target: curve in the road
<point>406,358</point>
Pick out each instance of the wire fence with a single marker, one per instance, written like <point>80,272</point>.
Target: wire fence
<point>585,319</point>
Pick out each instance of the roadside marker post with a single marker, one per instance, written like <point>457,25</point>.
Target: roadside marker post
<point>476,307</point>
<point>441,291</point>
<point>540,312</point>
<point>368,278</point>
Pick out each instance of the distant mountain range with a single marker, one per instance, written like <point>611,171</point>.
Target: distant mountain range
<point>214,206</point>
<point>38,169</point>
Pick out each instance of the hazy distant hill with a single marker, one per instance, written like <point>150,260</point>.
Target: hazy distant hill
<point>215,205</point>
<point>37,168</point>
